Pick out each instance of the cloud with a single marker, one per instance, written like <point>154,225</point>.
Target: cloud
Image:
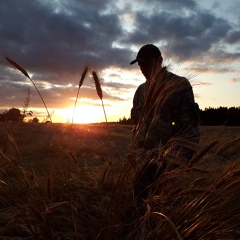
<point>200,83</point>
<point>234,80</point>
<point>189,35</point>
<point>118,85</point>
<point>44,38</point>
<point>233,37</point>
<point>220,55</point>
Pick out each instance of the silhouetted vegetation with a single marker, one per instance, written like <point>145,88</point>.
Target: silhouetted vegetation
<point>34,120</point>
<point>209,117</point>
<point>125,121</point>
<point>220,116</point>
<point>14,115</point>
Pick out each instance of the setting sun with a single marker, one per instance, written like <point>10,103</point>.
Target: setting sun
<point>82,114</point>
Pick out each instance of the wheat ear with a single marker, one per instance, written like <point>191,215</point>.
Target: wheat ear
<point>26,74</point>
<point>100,94</point>
<point>84,73</point>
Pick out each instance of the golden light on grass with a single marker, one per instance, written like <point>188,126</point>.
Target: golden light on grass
<point>50,195</point>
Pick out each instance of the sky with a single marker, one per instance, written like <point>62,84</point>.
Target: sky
<point>54,40</point>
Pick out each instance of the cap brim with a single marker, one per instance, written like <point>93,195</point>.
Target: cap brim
<point>134,61</point>
<point>138,60</point>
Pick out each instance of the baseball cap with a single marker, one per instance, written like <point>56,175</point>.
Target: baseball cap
<point>147,52</point>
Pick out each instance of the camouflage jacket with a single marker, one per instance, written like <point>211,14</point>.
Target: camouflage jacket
<point>164,109</point>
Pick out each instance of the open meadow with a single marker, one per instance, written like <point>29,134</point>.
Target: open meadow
<point>59,181</point>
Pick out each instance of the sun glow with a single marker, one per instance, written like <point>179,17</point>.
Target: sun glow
<point>82,114</point>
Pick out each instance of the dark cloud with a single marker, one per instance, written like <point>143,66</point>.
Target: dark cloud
<point>44,39</point>
<point>172,4</point>
<point>233,37</point>
<point>189,36</point>
<point>224,56</point>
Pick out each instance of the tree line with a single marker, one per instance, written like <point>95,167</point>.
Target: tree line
<point>15,115</point>
<point>210,117</point>
<point>220,116</point>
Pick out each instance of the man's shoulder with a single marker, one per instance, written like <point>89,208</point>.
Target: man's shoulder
<point>178,79</point>
<point>141,87</point>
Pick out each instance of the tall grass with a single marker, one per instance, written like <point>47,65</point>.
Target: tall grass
<point>58,197</point>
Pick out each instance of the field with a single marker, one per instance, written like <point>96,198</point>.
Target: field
<point>59,181</point>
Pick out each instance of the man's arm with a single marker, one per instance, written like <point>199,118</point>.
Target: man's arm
<point>189,116</point>
<point>138,102</point>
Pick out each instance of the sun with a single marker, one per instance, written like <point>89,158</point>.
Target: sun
<point>82,114</point>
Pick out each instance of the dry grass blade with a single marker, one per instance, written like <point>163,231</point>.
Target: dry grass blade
<point>49,187</point>
<point>228,145</point>
<point>50,208</point>
<point>168,219</point>
<point>105,173</point>
<point>26,74</point>
<point>199,155</point>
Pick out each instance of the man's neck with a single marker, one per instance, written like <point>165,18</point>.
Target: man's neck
<point>157,73</point>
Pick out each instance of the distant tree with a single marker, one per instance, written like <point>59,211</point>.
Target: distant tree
<point>35,120</point>
<point>220,116</point>
<point>13,114</point>
<point>125,121</point>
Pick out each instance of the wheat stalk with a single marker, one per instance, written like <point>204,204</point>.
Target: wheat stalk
<point>169,220</point>
<point>84,73</point>
<point>97,84</point>
<point>21,69</point>
<point>200,154</point>
<point>100,95</point>
<point>227,146</point>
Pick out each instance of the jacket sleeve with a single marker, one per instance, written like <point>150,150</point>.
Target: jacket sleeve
<point>188,116</point>
<point>187,125</point>
<point>138,102</point>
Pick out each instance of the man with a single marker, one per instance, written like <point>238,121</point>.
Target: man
<point>164,114</point>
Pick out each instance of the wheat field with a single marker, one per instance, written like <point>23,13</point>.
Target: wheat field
<point>61,181</point>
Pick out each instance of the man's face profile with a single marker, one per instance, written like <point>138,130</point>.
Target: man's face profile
<point>147,68</point>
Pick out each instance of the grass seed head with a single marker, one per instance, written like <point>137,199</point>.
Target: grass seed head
<point>18,67</point>
<point>97,84</point>
<point>83,76</point>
